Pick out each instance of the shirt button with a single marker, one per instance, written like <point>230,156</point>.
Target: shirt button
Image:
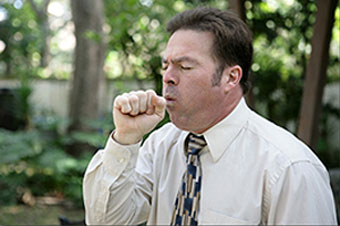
<point>121,160</point>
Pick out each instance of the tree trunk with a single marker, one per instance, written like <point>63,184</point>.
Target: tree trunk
<point>237,6</point>
<point>316,73</point>
<point>88,17</point>
<point>45,50</point>
<point>42,17</point>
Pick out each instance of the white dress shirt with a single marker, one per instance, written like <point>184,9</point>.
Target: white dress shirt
<point>253,172</point>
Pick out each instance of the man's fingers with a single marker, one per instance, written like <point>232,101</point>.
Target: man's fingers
<point>150,107</point>
<point>135,103</point>
<point>156,104</point>
<point>122,104</point>
<point>135,114</point>
<point>142,101</point>
<point>159,103</point>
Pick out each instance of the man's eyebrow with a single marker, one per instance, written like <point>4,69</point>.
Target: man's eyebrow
<point>180,59</point>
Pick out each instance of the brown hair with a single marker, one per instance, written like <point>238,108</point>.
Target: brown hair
<point>233,39</point>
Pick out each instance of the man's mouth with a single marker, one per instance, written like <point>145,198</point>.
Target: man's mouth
<point>169,99</point>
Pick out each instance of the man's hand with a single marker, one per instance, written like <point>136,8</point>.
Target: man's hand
<point>135,114</point>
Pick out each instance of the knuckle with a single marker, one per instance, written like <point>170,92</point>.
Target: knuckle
<point>142,95</point>
<point>118,97</point>
<point>123,100</point>
<point>118,100</point>
<point>125,95</point>
<point>139,92</point>
<point>151,92</point>
<point>132,93</point>
<point>133,98</point>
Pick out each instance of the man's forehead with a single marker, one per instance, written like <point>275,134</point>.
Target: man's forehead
<point>178,59</point>
<point>188,45</point>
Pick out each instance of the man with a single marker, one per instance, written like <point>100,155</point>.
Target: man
<point>218,162</point>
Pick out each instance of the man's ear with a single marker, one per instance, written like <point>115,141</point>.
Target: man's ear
<point>231,77</point>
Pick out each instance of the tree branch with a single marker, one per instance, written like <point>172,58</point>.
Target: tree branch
<point>47,2</point>
<point>35,8</point>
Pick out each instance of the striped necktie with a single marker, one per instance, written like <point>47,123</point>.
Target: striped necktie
<point>186,205</point>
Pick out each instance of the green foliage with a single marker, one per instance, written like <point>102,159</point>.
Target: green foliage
<point>36,159</point>
<point>282,43</point>
<point>18,145</point>
<point>21,34</point>
<point>281,37</point>
<point>22,99</point>
<point>330,157</point>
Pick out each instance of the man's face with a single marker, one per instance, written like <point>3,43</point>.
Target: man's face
<point>193,102</point>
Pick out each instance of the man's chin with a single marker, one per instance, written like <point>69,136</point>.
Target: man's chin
<point>171,108</point>
<point>179,123</point>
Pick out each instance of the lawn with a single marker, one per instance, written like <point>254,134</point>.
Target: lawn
<point>38,214</point>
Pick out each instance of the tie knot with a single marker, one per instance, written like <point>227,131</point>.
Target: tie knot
<point>196,144</point>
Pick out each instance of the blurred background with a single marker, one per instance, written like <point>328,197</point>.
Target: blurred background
<point>62,62</point>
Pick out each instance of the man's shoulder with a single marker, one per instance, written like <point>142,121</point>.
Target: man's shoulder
<point>280,141</point>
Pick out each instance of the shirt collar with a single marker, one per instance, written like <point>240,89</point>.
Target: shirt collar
<point>221,135</point>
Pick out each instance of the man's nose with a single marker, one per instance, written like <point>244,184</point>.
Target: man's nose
<point>170,76</point>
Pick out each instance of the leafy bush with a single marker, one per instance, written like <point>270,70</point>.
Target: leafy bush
<point>36,159</point>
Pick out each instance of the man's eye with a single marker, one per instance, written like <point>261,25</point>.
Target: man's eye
<point>186,68</point>
<point>164,67</point>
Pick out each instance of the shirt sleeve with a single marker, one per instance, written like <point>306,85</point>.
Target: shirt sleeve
<point>113,192</point>
<point>302,195</point>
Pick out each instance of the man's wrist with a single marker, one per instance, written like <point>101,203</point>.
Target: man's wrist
<point>125,139</point>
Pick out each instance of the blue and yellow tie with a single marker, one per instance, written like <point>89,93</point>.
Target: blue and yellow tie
<point>186,205</point>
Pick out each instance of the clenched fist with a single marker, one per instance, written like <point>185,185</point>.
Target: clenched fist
<point>135,114</point>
